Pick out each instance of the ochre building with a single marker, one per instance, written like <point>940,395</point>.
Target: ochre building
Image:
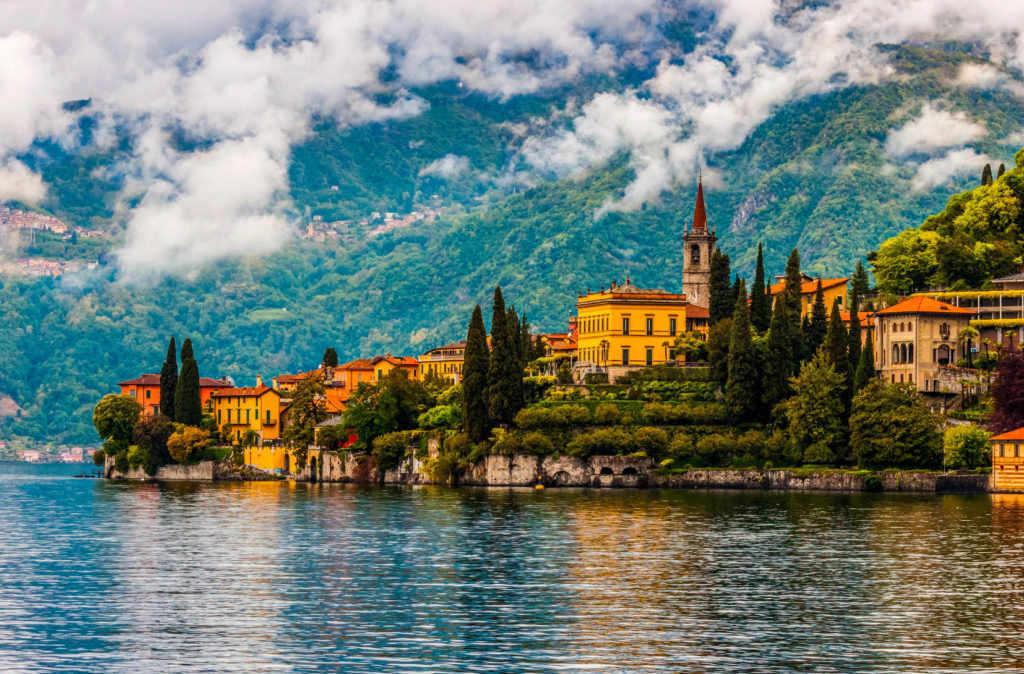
<point>146,390</point>
<point>833,290</point>
<point>243,409</point>
<point>445,361</point>
<point>1008,461</point>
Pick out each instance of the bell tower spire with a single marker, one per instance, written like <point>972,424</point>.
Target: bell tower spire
<point>698,244</point>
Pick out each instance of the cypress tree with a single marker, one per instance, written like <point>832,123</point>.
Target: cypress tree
<point>188,409</point>
<point>866,367</point>
<point>860,283</point>
<point>514,337</point>
<point>720,293</point>
<point>330,357</point>
<point>169,380</point>
<point>818,325</point>
<point>1002,170</point>
<point>504,376</point>
<point>794,281</point>
<point>474,379</point>
<point>741,386</point>
<point>986,175</point>
<point>837,350</point>
<point>779,363</point>
<point>760,309</point>
<point>526,341</point>
<point>736,290</point>
<point>854,329</point>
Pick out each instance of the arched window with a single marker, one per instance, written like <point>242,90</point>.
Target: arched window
<point>910,354</point>
<point>903,353</point>
<point>895,354</point>
<point>902,327</point>
<point>695,254</point>
<point>910,327</point>
<point>942,355</point>
<point>894,327</point>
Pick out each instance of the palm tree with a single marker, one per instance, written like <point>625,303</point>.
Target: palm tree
<point>603,353</point>
<point>967,337</point>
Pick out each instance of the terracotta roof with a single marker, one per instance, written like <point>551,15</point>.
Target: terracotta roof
<point>358,364</point>
<point>154,380</point>
<point>453,345</point>
<point>254,391</point>
<point>396,360</point>
<point>924,305</point>
<point>1017,434</point>
<point>809,287</point>
<point>694,311</point>
<point>292,378</point>
<point>866,320</point>
<point>700,216</point>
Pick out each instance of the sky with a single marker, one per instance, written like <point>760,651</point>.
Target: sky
<point>247,77</point>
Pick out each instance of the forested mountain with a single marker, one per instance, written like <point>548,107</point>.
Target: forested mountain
<point>826,173</point>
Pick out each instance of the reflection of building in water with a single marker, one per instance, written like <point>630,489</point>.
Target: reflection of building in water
<point>1007,460</point>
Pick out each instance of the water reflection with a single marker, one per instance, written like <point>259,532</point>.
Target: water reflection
<point>275,576</point>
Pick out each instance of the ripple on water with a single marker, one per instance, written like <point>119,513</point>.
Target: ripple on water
<point>105,577</point>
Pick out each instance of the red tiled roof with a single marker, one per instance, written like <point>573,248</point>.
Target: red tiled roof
<point>1016,434</point>
<point>293,378</point>
<point>694,311</point>
<point>358,364</point>
<point>154,380</point>
<point>924,305</point>
<point>865,319</point>
<point>809,287</point>
<point>243,392</point>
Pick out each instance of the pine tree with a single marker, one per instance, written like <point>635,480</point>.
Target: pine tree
<point>1002,170</point>
<point>169,380</point>
<point>741,386</point>
<point>837,349</point>
<point>504,374</point>
<point>474,379</point>
<point>866,367</point>
<point>760,307</point>
<point>986,175</point>
<point>330,357</point>
<point>818,326</point>
<point>188,409</point>
<point>779,363</point>
<point>720,293</point>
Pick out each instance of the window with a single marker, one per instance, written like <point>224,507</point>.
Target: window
<point>218,417</point>
<point>246,415</point>
<point>925,384</point>
<point>910,327</point>
<point>910,353</point>
<point>133,393</point>
<point>944,331</point>
<point>903,353</point>
<point>268,417</point>
<point>809,300</point>
<point>148,392</point>
<point>650,326</point>
<point>895,354</point>
<point>894,327</point>
<point>650,357</point>
<point>840,300</point>
<point>625,355</point>
<point>942,355</point>
<point>625,325</point>
<point>672,326</point>
<point>694,254</point>
<point>1002,450</point>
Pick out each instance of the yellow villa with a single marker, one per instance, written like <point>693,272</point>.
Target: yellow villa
<point>445,361</point>
<point>244,409</point>
<point>832,288</point>
<point>625,327</point>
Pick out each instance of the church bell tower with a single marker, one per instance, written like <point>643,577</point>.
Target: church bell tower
<point>698,244</point>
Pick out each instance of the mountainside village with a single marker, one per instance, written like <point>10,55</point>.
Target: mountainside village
<point>928,341</point>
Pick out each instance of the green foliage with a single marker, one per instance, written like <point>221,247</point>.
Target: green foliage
<point>607,414</point>
<point>719,340</point>
<point>760,300</point>
<point>441,416</point>
<point>966,447</point>
<point>389,449</point>
<point>115,417</point>
<point>98,457</point>
<point>721,298</point>
<point>188,408</point>
<point>504,372</point>
<point>652,441</point>
<point>150,435</point>
<point>186,444</point>
<point>742,387</point>
<point>392,404</point>
<point>169,380</point>
<point>121,464</point>
<point>308,408</point>
<point>665,374</point>
<point>779,361</point>
<point>837,351</point>
<point>866,367</point>
<point>474,379</point>
<point>332,437</point>
<point>815,412</point>
<point>330,358</point>
<point>137,456</point>
<point>601,441</point>
<point>692,347</point>
<point>891,427</point>
<point>873,483</point>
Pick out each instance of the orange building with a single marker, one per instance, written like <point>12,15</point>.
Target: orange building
<point>832,288</point>
<point>146,390</point>
<point>1008,461</point>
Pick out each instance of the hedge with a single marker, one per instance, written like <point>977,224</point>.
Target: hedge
<point>666,373</point>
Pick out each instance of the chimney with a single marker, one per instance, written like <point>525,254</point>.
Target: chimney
<point>259,381</point>
<point>273,382</point>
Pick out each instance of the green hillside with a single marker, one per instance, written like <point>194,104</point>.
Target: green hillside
<point>813,175</point>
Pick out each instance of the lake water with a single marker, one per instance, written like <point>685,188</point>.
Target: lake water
<point>103,577</point>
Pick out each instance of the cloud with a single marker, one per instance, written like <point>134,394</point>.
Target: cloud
<point>447,167</point>
<point>18,183</point>
<point>941,170</point>
<point>933,129</point>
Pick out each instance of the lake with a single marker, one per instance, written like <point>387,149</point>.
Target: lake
<point>267,576</point>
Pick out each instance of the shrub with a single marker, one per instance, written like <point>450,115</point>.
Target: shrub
<point>137,456</point>
<point>607,414</point>
<point>441,416</point>
<point>600,441</point>
<point>537,443</point>
<point>389,449</point>
<point>536,417</point>
<point>121,461</point>
<point>594,378</point>
<point>658,413</point>
<point>665,373</point>
<point>186,444</point>
<point>653,441</point>
<point>711,414</point>
<point>966,447</point>
<point>683,447</point>
<point>872,482</point>
<point>716,449</point>
<point>98,457</point>
<point>574,415</point>
<point>534,388</point>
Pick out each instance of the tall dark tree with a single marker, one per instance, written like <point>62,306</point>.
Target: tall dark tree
<point>760,303</point>
<point>736,289</point>
<point>1008,393</point>
<point>514,339</point>
<point>721,299</point>
<point>794,280</point>
<point>188,409</point>
<point>169,380</point>
<point>866,366</point>
<point>504,375</point>
<point>837,350</point>
<point>986,175</point>
<point>818,326</point>
<point>741,387</point>
<point>330,357</point>
<point>526,346</point>
<point>474,379</point>
<point>1002,170</point>
<point>860,283</point>
<point>779,363</point>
